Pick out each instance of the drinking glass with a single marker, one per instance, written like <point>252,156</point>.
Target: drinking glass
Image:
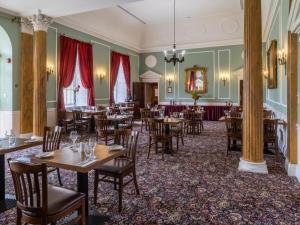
<point>87,151</point>
<point>92,145</point>
<point>73,136</point>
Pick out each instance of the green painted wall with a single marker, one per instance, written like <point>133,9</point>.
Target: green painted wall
<point>277,98</point>
<point>217,60</point>
<point>101,53</point>
<point>9,88</point>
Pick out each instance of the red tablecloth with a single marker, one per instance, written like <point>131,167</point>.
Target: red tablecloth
<point>212,112</point>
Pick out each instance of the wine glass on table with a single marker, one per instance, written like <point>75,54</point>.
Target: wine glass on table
<point>92,144</point>
<point>73,136</point>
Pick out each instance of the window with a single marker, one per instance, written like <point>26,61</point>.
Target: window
<point>80,98</point>
<point>120,89</point>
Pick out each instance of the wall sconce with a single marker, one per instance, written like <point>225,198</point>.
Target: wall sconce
<point>224,78</point>
<point>49,71</point>
<point>282,58</point>
<point>170,80</point>
<point>100,76</point>
<point>265,74</point>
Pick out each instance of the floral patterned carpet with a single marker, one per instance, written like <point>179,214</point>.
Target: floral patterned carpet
<point>197,185</point>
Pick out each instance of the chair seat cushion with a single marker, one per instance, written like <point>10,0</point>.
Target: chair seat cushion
<point>59,200</point>
<point>117,165</point>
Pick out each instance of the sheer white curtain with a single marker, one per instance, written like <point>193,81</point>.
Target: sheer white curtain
<point>120,90</point>
<point>81,95</point>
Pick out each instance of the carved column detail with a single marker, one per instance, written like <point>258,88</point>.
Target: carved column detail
<point>40,24</point>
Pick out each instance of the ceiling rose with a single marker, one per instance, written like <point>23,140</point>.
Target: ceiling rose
<point>229,26</point>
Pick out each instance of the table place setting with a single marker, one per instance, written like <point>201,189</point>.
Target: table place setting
<point>115,148</point>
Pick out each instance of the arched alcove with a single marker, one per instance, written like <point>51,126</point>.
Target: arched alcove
<point>6,82</point>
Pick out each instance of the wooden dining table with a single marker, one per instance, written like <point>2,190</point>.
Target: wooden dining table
<point>70,160</point>
<point>6,201</point>
<point>116,119</point>
<point>170,122</point>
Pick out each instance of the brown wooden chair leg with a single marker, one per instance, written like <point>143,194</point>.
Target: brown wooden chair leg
<point>59,177</point>
<point>53,223</point>
<point>142,126</point>
<point>182,139</point>
<point>115,183</point>
<point>19,216</point>
<point>96,180</point>
<point>120,193</point>
<point>150,142</point>
<point>135,182</point>
<point>82,212</point>
<point>177,142</point>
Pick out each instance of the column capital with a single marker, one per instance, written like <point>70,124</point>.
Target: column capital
<point>26,26</point>
<point>40,22</point>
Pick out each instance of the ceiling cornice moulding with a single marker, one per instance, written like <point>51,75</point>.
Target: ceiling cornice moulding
<point>196,45</point>
<point>77,27</point>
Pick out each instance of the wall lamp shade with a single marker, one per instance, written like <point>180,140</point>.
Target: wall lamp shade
<point>224,77</point>
<point>49,71</point>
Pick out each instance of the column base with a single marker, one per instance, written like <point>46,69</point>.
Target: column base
<point>37,137</point>
<point>27,135</point>
<point>254,167</point>
<point>290,168</point>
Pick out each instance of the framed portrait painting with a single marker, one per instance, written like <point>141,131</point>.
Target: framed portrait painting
<point>272,65</point>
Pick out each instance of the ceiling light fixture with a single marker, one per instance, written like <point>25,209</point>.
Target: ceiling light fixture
<point>175,57</point>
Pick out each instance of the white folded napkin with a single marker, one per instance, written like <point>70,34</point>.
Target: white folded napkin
<point>86,162</point>
<point>45,155</point>
<point>115,147</point>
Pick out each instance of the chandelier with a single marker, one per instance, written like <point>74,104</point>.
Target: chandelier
<point>176,58</point>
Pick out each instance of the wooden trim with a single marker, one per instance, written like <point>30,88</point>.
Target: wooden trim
<point>253,84</point>
<point>26,83</point>
<point>292,101</point>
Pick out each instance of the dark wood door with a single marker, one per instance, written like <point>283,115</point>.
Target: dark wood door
<point>154,94</point>
<point>241,92</point>
<point>139,93</point>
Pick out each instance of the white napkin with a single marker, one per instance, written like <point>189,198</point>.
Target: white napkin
<point>115,147</point>
<point>86,162</point>
<point>45,155</point>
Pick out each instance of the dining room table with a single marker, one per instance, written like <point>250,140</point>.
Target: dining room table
<point>117,119</point>
<point>168,122</point>
<point>76,161</point>
<point>8,201</point>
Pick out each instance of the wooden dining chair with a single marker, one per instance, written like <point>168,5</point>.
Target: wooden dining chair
<point>80,123</point>
<point>119,168</point>
<point>40,203</point>
<point>270,135</point>
<point>104,130</point>
<point>51,142</point>
<point>177,131</point>
<point>127,123</point>
<point>66,120</point>
<point>157,134</point>
<point>144,118</point>
<point>234,128</point>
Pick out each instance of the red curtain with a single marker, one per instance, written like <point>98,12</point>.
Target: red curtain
<point>126,67</point>
<point>85,57</point>
<point>115,63</point>
<point>68,51</point>
<point>192,81</point>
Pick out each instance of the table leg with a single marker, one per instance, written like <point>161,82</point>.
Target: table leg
<point>6,202</point>
<point>167,148</point>
<point>83,187</point>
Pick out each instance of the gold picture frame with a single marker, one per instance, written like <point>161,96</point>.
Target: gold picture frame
<point>272,65</point>
<point>196,80</point>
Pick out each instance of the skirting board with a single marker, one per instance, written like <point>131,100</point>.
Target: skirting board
<point>10,120</point>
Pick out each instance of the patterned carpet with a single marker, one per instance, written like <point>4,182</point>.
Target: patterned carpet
<point>198,185</point>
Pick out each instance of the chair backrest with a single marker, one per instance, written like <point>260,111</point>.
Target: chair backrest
<point>189,115</point>
<point>159,127</point>
<point>30,183</point>
<point>270,129</point>
<point>132,144</point>
<point>234,127</point>
<point>101,122</point>
<point>268,114</point>
<point>77,114</point>
<point>52,137</point>
<point>122,137</point>
<point>235,114</point>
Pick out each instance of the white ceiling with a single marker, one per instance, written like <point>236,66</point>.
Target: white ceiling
<point>147,25</point>
<point>56,8</point>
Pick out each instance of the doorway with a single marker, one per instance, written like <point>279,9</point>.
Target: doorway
<point>6,83</point>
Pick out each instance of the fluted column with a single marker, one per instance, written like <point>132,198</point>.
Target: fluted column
<point>252,159</point>
<point>40,24</point>
<point>292,101</point>
<point>26,77</point>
